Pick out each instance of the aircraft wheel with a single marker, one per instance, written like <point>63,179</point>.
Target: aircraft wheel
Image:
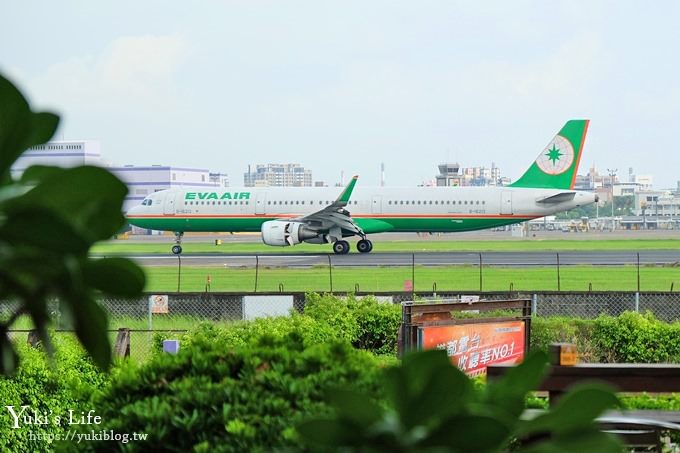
<point>176,249</point>
<point>341,247</point>
<point>364,246</point>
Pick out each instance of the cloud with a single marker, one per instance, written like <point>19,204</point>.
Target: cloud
<point>133,71</point>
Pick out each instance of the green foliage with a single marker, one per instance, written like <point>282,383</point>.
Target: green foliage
<point>628,338</point>
<point>562,329</point>
<point>48,388</point>
<point>216,397</point>
<point>433,406</point>
<point>365,322</point>
<point>634,337</point>
<point>49,219</point>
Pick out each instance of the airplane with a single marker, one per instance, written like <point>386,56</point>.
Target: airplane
<point>291,215</point>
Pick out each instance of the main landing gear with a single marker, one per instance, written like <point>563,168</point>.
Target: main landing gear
<point>342,247</point>
<point>177,248</point>
<point>364,246</point>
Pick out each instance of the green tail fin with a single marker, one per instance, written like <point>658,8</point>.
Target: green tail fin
<point>556,166</point>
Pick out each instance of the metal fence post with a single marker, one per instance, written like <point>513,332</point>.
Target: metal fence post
<point>534,303</point>
<point>637,302</point>
<point>257,269</point>
<point>638,273</point>
<point>413,273</point>
<point>480,272</point>
<point>558,273</point>
<point>149,303</point>
<point>179,271</point>
<point>330,272</point>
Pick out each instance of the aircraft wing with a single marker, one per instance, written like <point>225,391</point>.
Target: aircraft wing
<point>334,216</point>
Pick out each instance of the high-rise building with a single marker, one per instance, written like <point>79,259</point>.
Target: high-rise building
<point>278,175</point>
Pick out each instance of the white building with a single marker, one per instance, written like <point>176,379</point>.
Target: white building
<point>61,153</point>
<point>143,181</point>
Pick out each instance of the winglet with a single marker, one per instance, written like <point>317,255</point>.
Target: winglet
<point>347,193</point>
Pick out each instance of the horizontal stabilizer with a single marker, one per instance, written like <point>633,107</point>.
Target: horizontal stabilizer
<point>557,198</point>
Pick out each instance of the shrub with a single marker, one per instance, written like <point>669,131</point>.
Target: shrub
<point>365,322</point>
<point>241,398</point>
<point>636,338</point>
<point>50,389</point>
<point>560,329</point>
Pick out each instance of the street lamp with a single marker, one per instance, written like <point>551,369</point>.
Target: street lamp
<point>612,174</point>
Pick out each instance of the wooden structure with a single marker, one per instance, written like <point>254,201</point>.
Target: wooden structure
<point>416,315</point>
<point>625,377</point>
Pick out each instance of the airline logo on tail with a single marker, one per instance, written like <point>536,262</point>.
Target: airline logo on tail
<point>557,157</point>
<point>556,166</point>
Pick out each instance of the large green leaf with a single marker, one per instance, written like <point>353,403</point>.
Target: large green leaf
<point>329,433</point>
<point>37,173</point>
<point>19,127</point>
<point>447,392</point>
<point>576,409</point>
<point>26,225</point>
<point>8,356</point>
<point>91,325</point>
<point>407,384</point>
<point>355,407</point>
<point>507,393</point>
<point>90,197</point>
<point>473,433</point>
<point>117,276</point>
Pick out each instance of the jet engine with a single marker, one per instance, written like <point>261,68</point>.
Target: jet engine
<point>281,233</point>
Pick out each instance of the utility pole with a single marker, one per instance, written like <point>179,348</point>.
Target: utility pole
<point>612,174</point>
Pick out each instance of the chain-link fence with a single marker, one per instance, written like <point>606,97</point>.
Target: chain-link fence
<point>156,316</point>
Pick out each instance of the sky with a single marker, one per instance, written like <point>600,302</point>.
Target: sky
<point>341,86</point>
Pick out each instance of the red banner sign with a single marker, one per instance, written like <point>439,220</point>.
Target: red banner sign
<point>472,347</point>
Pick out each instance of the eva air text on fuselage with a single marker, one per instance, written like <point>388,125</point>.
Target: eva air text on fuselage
<point>217,196</point>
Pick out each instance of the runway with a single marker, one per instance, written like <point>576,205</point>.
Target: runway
<point>596,258</point>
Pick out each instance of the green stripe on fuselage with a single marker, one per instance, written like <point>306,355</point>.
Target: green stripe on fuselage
<point>368,225</point>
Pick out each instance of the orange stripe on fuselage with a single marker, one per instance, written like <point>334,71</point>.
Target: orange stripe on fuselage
<point>357,216</point>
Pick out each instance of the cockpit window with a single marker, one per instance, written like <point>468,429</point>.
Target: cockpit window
<point>147,202</point>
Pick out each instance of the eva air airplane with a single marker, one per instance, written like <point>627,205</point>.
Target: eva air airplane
<point>290,215</point>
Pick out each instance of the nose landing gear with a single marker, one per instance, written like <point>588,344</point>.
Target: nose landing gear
<point>177,248</point>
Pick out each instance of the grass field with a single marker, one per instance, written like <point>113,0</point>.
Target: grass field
<point>456,278</point>
<point>124,247</point>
